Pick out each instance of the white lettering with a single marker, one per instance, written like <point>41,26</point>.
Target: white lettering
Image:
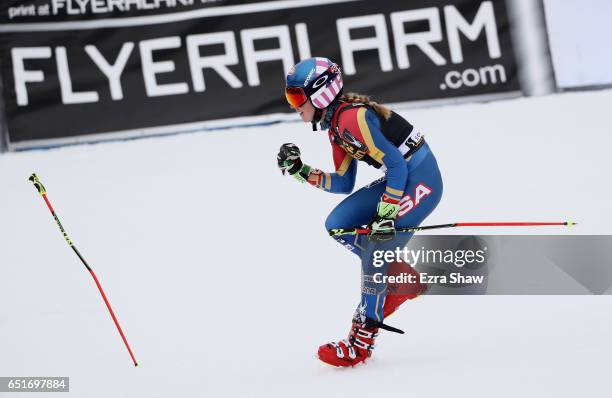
<point>470,77</point>
<point>56,5</point>
<point>379,42</point>
<point>485,19</point>
<point>252,57</point>
<point>420,192</point>
<point>422,40</point>
<point>301,34</point>
<point>490,73</point>
<point>151,68</point>
<point>218,63</point>
<point>112,71</point>
<point>456,83</point>
<point>63,72</point>
<point>21,76</point>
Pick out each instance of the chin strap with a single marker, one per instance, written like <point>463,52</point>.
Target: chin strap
<point>316,119</point>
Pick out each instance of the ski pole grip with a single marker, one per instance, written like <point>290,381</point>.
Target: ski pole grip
<point>37,184</point>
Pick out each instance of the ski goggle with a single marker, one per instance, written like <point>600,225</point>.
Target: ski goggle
<point>295,96</point>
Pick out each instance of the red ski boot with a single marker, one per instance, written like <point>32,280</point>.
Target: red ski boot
<point>357,347</point>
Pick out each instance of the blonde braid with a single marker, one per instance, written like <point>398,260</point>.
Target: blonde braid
<point>381,110</point>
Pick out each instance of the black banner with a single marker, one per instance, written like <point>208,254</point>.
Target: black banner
<point>116,71</point>
<point>19,11</point>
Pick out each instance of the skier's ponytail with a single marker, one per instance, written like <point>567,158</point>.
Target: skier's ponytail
<point>381,110</point>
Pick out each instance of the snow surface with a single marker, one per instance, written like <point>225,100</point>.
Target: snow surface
<point>225,282</point>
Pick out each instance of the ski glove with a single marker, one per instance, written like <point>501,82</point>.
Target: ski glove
<point>289,161</point>
<point>383,224</point>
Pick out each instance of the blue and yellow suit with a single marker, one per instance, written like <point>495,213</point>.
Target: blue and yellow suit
<point>412,179</point>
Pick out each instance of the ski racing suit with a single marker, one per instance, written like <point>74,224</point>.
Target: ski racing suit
<point>412,178</point>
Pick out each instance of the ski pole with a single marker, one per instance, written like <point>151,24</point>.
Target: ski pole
<point>42,191</point>
<point>366,231</point>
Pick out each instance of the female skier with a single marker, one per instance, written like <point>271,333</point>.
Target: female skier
<point>361,129</point>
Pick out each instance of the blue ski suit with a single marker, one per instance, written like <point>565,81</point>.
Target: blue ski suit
<point>412,179</point>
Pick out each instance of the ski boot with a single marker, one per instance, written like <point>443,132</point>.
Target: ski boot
<point>357,347</point>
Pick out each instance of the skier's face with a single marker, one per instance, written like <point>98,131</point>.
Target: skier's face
<point>306,111</point>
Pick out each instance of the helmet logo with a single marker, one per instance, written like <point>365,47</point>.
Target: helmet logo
<point>319,82</point>
<point>308,77</point>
